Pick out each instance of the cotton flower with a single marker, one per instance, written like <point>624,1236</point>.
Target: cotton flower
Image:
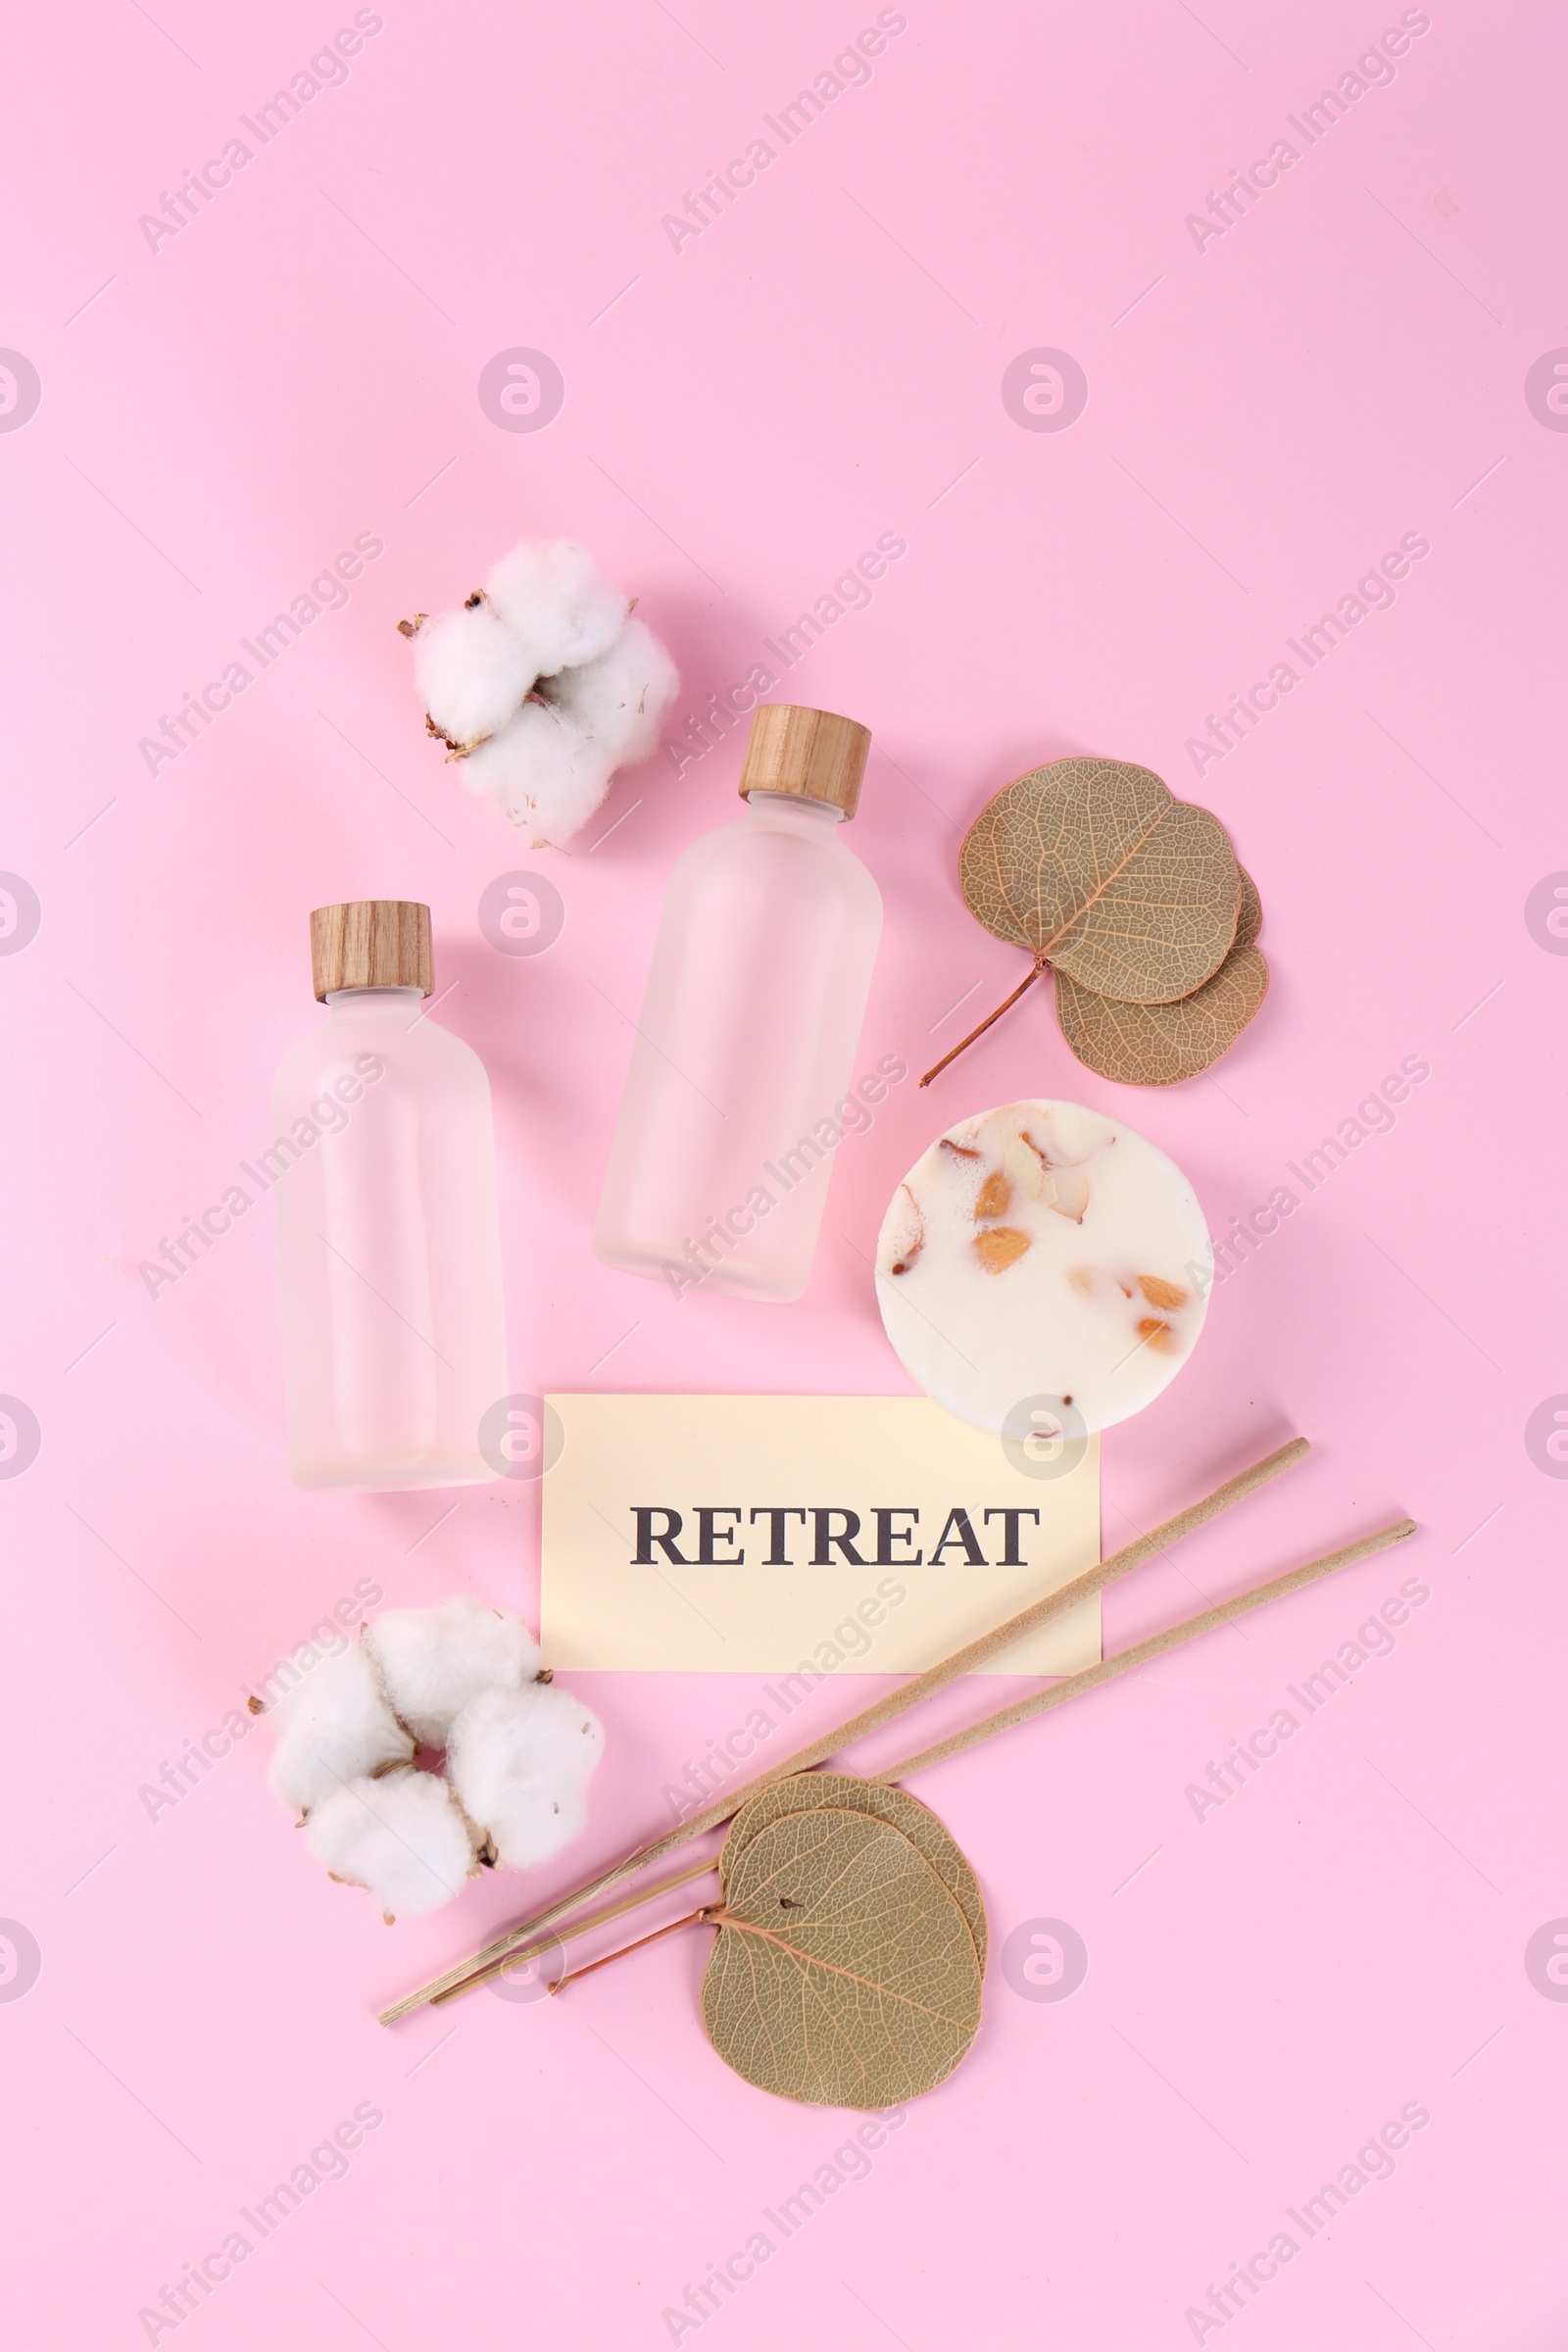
<point>520,1762</point>
<point>461,1677</point>
<point>403,1836</point>
<point>473,671</point>
<point>336,1726</point>
<point>618,699</point>
<point>433,1661</point>
<point>555,603</point>
<point>542,771</point>
<point>542,685</point>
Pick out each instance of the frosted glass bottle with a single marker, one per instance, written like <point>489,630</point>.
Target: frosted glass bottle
<point>383,1162</point>
<point>745,1043</point>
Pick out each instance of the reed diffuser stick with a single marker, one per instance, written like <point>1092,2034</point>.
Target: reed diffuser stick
<point>1072,1686</point>
<point>966,1660</point>
<point>1022,1710</point>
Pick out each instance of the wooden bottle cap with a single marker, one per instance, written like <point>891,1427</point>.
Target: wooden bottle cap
<point>813,753</point>
<point>370,943</point>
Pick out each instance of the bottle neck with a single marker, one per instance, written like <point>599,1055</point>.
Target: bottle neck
<point>789,812</point>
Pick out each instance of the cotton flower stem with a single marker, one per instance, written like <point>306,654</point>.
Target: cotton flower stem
<point>707,1917</point>
<point>1041,964</point>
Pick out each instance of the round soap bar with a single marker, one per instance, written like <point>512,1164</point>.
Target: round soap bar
<point>1040,1255</point>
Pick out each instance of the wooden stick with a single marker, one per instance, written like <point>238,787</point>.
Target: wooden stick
<point>1072,1686</point>
<point>966,1661</point>
<point>1022,1710</point>
<point>1038,1703</point>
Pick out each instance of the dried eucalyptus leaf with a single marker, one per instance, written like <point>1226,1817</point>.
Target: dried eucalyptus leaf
<point>1249,921</point>
<point>844,1974</point>
<point>1155,1045</point>
<point>805,1791</point>
<point>1094,867</point>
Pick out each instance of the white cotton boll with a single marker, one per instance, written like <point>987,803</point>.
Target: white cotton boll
<point>433,1661</point>
<point>334,1726</point>
<point>547,685</point>
<point>544,772</point>
<point>619,699</point>
<point>520,1762</point>
<point>473,671</point>
<point>551,595</point>
<point>402,1836</point>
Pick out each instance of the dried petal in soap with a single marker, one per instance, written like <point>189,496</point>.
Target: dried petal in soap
<point>907,1238</point>
<point>1067,1193</point>
<point>1160,1292</point>
<point>1000,1247</point>
<point>1026,1164</point>
<point>996,1197</point>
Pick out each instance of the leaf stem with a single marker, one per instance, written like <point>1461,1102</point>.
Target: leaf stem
<point>704,1917</point>
<point>1041,964</point>
<point>512,1952</point>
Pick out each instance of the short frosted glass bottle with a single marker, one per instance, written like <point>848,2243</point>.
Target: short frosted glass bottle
<point>389,1235</point>
<point>745,1043</point>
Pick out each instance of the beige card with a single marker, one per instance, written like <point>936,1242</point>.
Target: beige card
<point>776,1535</point>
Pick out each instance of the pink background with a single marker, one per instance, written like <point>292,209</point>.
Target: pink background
<point>1266,416</point>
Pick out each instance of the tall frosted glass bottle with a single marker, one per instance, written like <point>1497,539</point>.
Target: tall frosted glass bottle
<point>389,1238</point>
<point>745,1048</point>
